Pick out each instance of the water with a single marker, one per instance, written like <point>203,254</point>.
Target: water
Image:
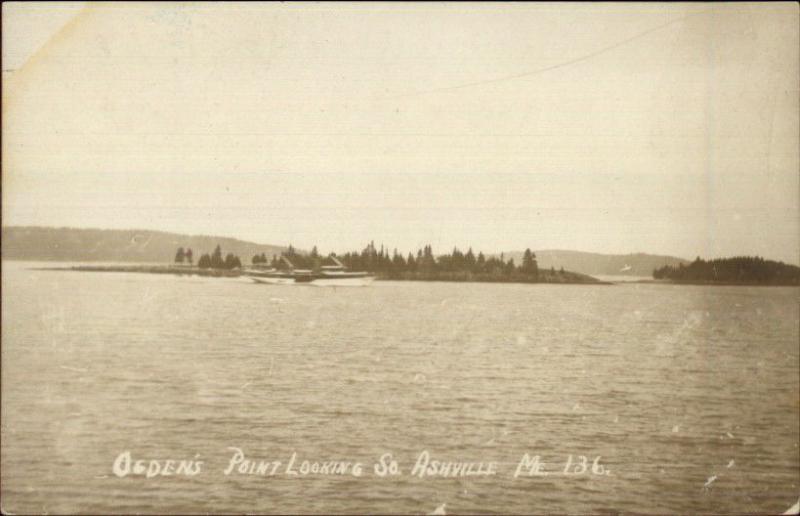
<point>668,384</point>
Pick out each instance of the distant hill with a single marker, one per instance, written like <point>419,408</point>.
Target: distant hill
<point>638,264</point>
<point>115,245</point>
<point>144,246</point>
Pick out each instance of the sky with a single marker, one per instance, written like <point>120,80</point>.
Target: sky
<point>615,128</point>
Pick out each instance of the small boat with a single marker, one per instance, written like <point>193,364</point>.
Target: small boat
<point>327,275</point>
<point>269,275</point>
<point>271,280</point>
<point>342,279</point>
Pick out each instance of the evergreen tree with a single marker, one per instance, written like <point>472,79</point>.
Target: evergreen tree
<point>428,261</point>
<point>529,265</point>
<point>179,255</point>
<point>230,261</point>
<point>398,262</point>
<point>469,260</point>
<point>527,262</point>
<point>510,267</point>
<point>216,259</point>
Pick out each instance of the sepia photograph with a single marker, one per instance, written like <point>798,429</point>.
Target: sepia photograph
<point>400,258</point>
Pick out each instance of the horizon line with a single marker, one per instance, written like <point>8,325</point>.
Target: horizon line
<point>206,235</point>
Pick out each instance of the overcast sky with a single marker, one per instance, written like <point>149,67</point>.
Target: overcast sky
<point>600,127</point>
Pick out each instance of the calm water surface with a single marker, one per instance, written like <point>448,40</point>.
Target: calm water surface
<point>670,385</point>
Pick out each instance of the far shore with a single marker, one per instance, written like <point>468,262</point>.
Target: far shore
<point>148,269</point>
<point>712,283</point>
<point>546,277</point>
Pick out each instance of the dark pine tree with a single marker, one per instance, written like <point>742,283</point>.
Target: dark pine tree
<point>216,259</point>
<point>204,262</point>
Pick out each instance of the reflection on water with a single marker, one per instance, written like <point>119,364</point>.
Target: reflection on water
<point>670,385</point>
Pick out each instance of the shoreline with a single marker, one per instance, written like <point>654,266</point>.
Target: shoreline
<point>566,278</point>
<point>713,283</point>
<point>146,269</point>
<point>546,277</point>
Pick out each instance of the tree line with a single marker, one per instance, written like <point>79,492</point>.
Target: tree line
<point>210,261</point>
<point>393,264</point>
<point>738,269</point>
<point>182,256</point>
<point>423,265</point>
<point>380,260</point>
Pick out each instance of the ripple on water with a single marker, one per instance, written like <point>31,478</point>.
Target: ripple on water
<point>668,385</point>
